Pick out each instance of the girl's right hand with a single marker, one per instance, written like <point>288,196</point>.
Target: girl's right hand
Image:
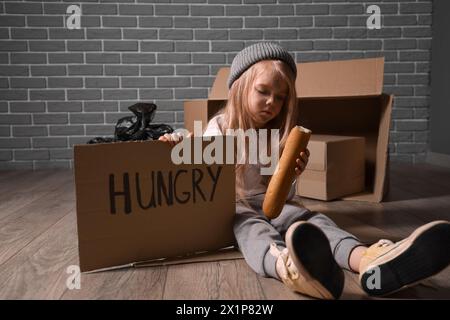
<point>173,138</point>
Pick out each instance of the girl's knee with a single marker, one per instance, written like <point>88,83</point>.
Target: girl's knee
<point>248,221</point>
<point>321,220</point>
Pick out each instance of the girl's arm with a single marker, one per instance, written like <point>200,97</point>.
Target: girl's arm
<point>173,138</point>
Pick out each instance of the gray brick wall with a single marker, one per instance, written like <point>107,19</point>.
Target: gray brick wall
<point>60,87</point>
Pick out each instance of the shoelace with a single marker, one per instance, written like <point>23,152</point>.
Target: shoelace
<point>277,252</point>
<point>384,243</point>
<point>289,269</point>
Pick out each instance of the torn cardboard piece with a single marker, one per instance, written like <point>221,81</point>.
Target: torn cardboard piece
<point>135,205</point>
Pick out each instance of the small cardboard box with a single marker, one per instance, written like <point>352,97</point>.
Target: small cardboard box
<point>335,167</point>
<point>134,205</point>
<point>334,98</point>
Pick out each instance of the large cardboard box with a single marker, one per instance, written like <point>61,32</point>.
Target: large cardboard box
<point>335,167</point>
<point>334,98</point>
<point>134,205</point>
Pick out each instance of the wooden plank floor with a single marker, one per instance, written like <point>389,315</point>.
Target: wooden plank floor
<point>38,242</point>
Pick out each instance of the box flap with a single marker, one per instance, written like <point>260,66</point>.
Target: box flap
<point>347,78</point>
<point>200,110</point>
<point>195,110</point>
<point>368,117</point>
<point>341,78</point>
<point>382,155</point>
<point>219,90</point>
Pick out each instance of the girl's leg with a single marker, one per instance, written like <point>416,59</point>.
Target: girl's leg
<point>342,243</point>
<point>387,267</point>
<point>355,258</point>
<point>265,251</point>
<point>254,234</point>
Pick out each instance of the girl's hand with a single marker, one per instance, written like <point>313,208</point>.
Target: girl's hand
<point>301,162</point>
<point>173,138</point>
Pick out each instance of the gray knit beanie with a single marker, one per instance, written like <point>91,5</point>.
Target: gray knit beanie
<point>255,53</point>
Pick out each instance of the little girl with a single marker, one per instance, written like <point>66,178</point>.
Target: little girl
<point>304,249</point>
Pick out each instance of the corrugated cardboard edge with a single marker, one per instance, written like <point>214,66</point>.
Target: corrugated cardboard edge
<point>229,253</point>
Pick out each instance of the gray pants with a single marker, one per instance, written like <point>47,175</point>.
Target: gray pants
<point>254,233</point>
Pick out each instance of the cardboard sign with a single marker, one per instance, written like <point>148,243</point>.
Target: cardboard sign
<point>135,205</point>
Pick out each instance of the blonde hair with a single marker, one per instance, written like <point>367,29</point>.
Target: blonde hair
<point>236,111</point>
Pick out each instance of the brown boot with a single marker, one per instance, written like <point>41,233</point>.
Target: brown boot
<point>387,267</point>
<point>307,264</point>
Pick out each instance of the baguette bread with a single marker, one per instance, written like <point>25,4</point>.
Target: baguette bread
<point>280,184</point>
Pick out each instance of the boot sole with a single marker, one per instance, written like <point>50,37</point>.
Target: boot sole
<point>311,252</point>
<point>424,254</point>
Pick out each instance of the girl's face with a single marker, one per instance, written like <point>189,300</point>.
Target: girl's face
<point>268,94</point>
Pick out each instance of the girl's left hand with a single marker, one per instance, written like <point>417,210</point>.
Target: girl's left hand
<point>302,162</point>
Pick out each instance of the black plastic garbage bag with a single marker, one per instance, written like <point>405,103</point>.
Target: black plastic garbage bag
<point>154,131</point>
<point>137,127</point>
<point>101,140</point>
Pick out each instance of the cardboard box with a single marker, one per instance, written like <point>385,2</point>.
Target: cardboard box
<point>334,98</point>
<point>335,168</point>
<point>134,205</point>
